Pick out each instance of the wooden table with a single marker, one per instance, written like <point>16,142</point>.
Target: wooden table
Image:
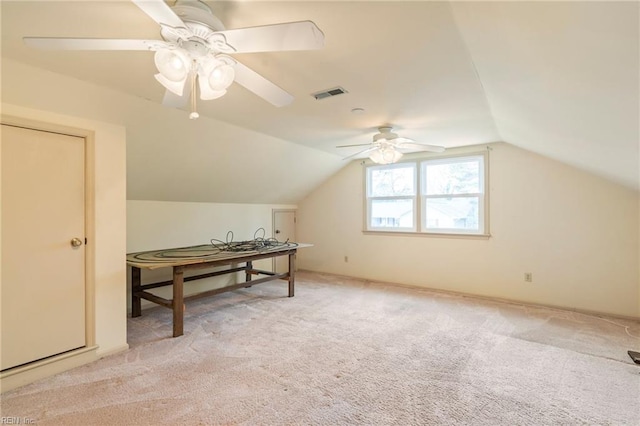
<point>200,257</point>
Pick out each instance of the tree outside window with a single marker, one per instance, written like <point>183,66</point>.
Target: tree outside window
<point>447,196</point>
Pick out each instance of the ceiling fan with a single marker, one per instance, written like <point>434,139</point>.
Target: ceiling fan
<point>386,145</point>
<point>194,51</point>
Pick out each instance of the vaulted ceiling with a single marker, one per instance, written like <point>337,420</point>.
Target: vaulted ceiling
<point>557,78</point>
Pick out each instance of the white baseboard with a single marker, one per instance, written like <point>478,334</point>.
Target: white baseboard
<point>112,351</point>
<point>26,374</point>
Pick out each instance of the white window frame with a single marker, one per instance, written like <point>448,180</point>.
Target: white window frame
<point>420,197</point>
<point>370,199</point>
<point>480,159</point>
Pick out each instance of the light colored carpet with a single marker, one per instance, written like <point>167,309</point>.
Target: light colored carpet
<point>345,351</point>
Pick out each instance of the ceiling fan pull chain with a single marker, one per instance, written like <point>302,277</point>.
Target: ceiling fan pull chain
<point>194,114</point>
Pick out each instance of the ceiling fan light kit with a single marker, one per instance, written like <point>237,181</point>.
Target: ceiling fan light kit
<point>193,52</point>
<point>214,73</point>
<point>222,74</point>
<point>172,64</point>
<point>386,155</point>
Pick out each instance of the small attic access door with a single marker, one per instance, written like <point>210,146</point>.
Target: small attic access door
<point>43,244</point>
<point>284,228</point>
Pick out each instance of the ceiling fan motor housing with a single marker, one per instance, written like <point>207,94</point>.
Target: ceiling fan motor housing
<point>199,39</point>
<point>385,135</point>
<point>195,48</point>
<point>196,14</point>
<point>200,21</point>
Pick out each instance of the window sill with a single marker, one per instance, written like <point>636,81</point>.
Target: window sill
<point>430,234</point>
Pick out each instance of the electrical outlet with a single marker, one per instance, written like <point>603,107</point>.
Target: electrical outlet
<point>528,277</point>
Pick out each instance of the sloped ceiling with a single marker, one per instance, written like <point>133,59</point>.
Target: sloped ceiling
<point>562,79</point>
<point>556,78</point>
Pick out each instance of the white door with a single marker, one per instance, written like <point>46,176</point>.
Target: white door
<point>284,228</point>
<point>43,268</point>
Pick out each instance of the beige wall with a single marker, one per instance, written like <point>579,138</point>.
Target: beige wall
<point>153,225</point>
<point>106,158</point>
<point>577,234</point>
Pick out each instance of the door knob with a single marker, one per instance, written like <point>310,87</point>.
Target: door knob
<point>76,242</point>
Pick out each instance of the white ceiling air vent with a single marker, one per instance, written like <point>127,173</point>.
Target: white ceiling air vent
<point>328,93</point>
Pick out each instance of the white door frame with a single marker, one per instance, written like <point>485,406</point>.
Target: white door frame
<point>273,226</point>
<point>89,210</point>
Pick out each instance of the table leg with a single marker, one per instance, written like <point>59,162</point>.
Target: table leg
<point>247,272</point>
<point>292,273</point>
<point>178,301</point>
<point>136,302</point>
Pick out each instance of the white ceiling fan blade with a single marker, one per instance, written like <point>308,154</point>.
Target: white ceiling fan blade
<point>160,12</point>
<point>400,139</point>
<point>57,43</point>
<point>420,146</point>
<point>373,148</point>
<point>262,87</point>
<point>302,35</point>
<point>349,146</point>
<point>172,100</point>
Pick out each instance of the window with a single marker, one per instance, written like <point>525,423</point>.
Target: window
<point>391,197</point>
<point>446,197</point>
<point>452,195</point>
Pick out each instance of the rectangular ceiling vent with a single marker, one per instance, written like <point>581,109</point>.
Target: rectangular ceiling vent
<point>328,93</point>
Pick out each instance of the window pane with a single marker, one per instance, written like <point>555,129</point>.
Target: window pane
<point>391,214</point>
<point>459,177</point>
<point>398,181</point>
<point>452,213</point>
